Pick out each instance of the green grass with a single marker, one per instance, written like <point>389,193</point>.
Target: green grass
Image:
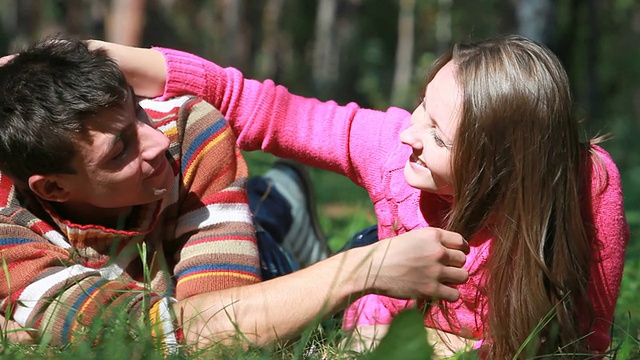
<point>344,209</point>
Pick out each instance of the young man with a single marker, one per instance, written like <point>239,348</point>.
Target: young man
<point>107,206</point>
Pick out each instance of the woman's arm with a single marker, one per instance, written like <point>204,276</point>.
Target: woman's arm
<point>610,242</point>
<point>348,140</point>
<point>144,69</point>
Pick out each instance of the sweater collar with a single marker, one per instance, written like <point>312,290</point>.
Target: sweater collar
<point>140,221</point>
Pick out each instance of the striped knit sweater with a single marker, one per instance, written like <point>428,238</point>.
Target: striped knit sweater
<point>198,238</point>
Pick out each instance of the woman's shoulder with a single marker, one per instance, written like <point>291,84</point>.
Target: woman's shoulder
<point>606,200</point>
<point>603,172</point>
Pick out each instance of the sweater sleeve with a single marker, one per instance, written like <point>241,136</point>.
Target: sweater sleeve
<point>47,290</point>
<point>611,239</point>
<point>347,139</point>
<point>215,222</point>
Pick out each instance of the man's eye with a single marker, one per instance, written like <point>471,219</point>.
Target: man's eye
<point>122,152</point>
<point>141,115</point>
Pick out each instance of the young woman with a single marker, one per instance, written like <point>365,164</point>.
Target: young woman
<point>492,152</point>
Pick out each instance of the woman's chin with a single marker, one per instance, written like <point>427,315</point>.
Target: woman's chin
<point>418,177</point>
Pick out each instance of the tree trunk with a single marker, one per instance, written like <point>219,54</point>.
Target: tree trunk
<point>125,22</point>
<point>404,52</point>
<point>593,37</point>
<point>443,25</point>
<point>325,52</point>
<point>267,58</point>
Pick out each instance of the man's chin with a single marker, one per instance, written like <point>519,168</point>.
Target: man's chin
<point>160,192</point>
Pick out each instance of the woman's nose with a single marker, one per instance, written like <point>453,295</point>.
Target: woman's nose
<point>408,137</point>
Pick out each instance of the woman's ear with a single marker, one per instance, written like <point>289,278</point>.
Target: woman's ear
<point>48,187</point>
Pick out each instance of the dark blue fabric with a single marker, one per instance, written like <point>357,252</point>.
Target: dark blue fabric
<point>364,237</point>
<point>274,259</point>
<point>270,209</point>
<point>272,218</point>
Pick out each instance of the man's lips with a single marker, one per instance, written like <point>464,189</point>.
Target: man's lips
<point>159,169</point>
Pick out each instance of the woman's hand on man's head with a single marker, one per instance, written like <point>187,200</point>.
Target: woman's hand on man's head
<point>144,69</point>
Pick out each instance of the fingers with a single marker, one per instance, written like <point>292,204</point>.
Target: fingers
<point>5,59</point>
<point>453,240</point>
<point>446,293</point>
<point>15,333</point>
<point>453,276</point>
<point>95,44</point>
<point>454,258</point>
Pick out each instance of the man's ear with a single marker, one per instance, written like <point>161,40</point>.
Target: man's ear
<point>48,187</point>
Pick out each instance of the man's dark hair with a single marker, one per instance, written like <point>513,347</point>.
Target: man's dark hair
<point>47,94</point>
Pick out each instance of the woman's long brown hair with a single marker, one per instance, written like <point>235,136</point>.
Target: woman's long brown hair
<point>517,169</point>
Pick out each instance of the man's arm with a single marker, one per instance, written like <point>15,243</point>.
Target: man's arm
<point>419,264</point>
<point>46,290</point>
<point>214,232</point>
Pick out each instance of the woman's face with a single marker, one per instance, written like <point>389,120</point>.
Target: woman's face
<point>434,124</point>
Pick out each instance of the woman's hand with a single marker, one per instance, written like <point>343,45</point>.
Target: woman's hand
<point>144,69</point>
<point>5,59</point>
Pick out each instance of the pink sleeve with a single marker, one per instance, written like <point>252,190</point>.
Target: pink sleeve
<point>612,237</point>
<point>373,310</point>
<point>345,139</point>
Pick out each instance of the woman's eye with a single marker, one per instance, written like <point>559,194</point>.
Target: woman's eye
<point>437,139</point>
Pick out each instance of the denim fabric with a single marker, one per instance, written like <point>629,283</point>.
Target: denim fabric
<point>363,237</point>
<point>272,219</point>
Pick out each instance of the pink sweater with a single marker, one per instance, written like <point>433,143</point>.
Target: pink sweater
<point>364,145</point>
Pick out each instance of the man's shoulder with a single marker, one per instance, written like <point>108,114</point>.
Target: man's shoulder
<point>181,109</point>
<point>165,105</point>
<point>165,110</point>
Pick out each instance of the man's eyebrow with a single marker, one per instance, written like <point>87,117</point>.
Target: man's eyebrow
<point>114,141</point>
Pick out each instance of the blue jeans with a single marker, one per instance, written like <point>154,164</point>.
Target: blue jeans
<point>272,219</point>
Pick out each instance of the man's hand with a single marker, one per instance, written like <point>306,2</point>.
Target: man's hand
<point>420,264</point>
<point>14,332</point>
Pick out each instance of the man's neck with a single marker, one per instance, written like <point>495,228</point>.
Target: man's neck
<point>85,214</point>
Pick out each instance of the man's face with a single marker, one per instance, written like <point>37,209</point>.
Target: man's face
<point>121,161</point>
